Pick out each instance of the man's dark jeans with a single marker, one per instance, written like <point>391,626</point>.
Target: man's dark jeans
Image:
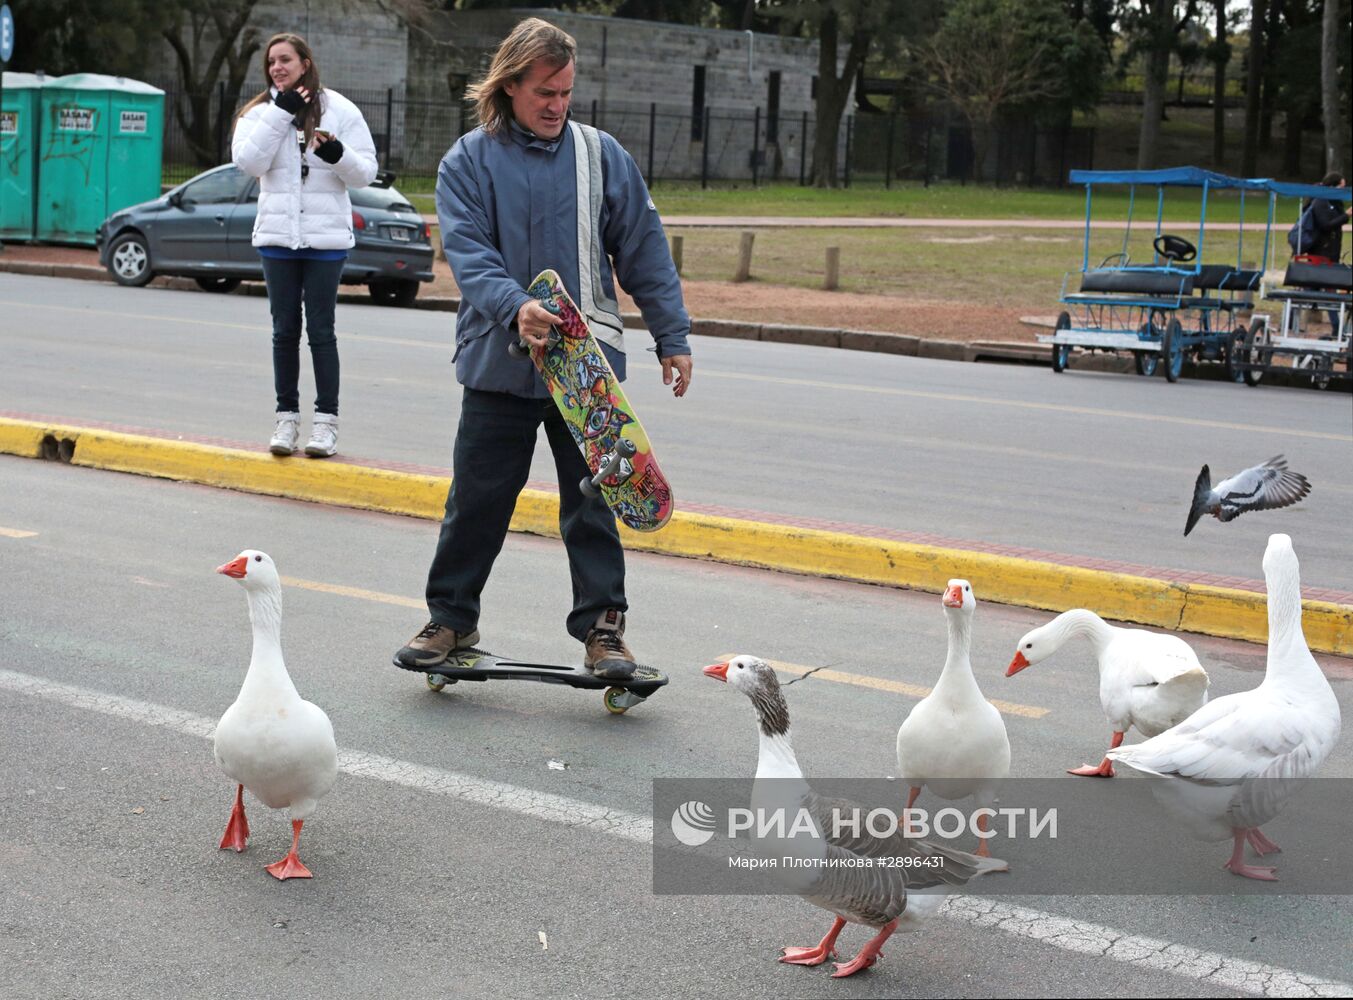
<point>291,282</point>
<point>493,450</point>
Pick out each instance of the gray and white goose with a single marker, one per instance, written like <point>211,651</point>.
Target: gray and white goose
<point>883,898</point>
<point>1261,487</point>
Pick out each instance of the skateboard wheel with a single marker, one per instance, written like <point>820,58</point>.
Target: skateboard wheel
<point>436,682</point>
<point>517,349</point>
<point>616,701</point>
<point>587,489</point>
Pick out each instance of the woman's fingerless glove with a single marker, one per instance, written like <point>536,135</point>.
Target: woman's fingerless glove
<point>330,150</point>
<point>289,101</point>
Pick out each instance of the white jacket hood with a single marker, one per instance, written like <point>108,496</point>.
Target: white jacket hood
<point>313,212</point>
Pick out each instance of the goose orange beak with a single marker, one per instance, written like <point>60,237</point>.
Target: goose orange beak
<point>953,597</point>
<point>719,671</point>
<point>235,568</point>
<point>1016,665</point>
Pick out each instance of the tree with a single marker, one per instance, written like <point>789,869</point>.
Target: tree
<point>1031,54</point>
<point>210,37</point>
<point>1157,32</point>
<point>857,25</point>
<point>1219,54</point>
<point>1254,82</point>
<point>82,36</point>
<point>1333,111</point>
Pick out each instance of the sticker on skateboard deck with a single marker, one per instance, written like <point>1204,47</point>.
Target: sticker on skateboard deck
<point>481,665</point>
<point>603,423</point>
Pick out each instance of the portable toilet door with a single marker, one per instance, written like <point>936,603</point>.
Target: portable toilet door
<point>135,144</point>
<point>73,158</point>
<point>18,156</point>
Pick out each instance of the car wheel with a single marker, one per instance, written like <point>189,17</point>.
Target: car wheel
<point>393,293</point>
<point>129,260</point>
<point>222,285</point>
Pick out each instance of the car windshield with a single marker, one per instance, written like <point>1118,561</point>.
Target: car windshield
<point>385,198</point>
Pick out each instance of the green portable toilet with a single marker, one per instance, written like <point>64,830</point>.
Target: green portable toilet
<point>101,145</point>
<point>19,155</point>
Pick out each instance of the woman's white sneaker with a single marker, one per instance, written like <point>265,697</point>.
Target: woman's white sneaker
<point>323,436</point>
<point>285,434</point>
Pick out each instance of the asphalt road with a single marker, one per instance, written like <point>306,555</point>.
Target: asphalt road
<point>1089,464</point>
<point>110,810</point>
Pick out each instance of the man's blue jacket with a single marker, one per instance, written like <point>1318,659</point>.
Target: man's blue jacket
<point>508,210</point>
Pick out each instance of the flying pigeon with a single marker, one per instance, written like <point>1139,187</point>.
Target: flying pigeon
<point>1263,487</point>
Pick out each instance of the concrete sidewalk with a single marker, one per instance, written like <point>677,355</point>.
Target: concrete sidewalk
<point>1195,602</point>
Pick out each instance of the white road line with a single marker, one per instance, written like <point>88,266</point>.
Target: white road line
<point>1079,936</point>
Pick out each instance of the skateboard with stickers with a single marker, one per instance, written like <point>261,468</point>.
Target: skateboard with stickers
<point>624,470</point>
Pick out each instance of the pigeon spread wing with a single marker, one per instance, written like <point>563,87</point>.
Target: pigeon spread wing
<point>1263,487</point>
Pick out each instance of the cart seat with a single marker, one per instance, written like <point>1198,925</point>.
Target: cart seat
<point>1225,277</point>
<point>1331,277</point>
<point>1121,280</point>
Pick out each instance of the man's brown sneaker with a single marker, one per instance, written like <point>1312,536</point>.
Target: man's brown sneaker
<point>607,655</point>
<point>431,646</point>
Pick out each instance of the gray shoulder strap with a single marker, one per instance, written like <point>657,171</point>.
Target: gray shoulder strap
<point>602,312</point>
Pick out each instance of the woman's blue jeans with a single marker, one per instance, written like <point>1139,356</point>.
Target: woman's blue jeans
<point>293,282</point>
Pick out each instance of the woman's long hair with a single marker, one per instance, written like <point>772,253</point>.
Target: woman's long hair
<point>530,40</point>
<point>309,80</point>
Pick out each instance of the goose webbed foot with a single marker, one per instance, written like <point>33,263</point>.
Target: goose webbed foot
<point>1261,844</point>
<point>869,954</point>
<point>236,836</point>
<point>1105,769</point>
<point>824,950</point>
<point>1236,864</point>
<point>290,866</point>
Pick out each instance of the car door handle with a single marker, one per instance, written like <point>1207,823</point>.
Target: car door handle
<point>220,219</point>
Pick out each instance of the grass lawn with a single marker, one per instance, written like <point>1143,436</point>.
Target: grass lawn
<point>939,201</point>
<point>987,266</point>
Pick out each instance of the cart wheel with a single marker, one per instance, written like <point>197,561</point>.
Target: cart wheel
<point>1235,354</point>
<point>1173,351</point>
<point>1061,353</point>
<point>1254,376</point>
<point>436,682</point>
<point>1323,366</point>
<point>1147,361</point>
<point>613,698</point>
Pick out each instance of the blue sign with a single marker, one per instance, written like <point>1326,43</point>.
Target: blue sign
<point>6,33</point>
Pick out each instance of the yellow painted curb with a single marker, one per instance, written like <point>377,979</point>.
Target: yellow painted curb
<point>1199,608</point>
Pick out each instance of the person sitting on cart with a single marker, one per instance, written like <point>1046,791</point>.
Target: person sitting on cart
<point>1319,233</point>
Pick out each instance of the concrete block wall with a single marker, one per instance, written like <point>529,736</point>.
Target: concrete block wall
<point>624,66</point>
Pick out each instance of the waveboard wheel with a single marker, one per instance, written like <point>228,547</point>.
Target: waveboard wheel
<point>436,682</point>
<point>612,700</point>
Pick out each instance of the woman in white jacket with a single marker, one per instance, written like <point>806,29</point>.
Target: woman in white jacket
<point>307,145</point>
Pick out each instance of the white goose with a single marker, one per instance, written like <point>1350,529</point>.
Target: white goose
<point>1146,679</point>
<point>871,895</point>
<point>954,741</point>
<point>1245,753</point>
<point>270,740</point>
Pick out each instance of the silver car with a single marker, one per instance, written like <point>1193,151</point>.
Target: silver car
<point>203,229</point>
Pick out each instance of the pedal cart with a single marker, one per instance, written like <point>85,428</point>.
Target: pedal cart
<point>1162,297</point>
<point>1312,289</point>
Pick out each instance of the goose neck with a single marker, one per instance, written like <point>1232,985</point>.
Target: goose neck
<point>266,667</point>
<point>1080,622</point>
<point>775,758</point>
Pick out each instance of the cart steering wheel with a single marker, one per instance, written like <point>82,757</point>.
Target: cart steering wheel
<point>1174,248</point>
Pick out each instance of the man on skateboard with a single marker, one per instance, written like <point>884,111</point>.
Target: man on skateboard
<point>509,205</point>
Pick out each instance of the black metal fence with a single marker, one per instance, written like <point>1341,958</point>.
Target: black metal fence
<point>717,146</point>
